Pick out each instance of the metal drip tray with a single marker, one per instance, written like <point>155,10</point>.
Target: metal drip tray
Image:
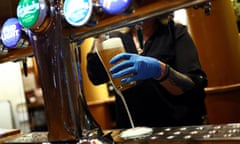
<point>217,132</point>
<point>226,132</point>
<point>204,134</point>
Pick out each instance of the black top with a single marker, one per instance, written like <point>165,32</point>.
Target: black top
<point>149,103</point>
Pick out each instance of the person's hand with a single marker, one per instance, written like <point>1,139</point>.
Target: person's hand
<point>137,67</point>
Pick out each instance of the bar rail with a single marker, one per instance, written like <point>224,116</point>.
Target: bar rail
<point>153,9</point>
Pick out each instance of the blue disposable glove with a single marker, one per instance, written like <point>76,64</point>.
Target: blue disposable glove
<point>136,66</point>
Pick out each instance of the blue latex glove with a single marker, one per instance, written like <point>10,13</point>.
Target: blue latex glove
<point>140,67</point>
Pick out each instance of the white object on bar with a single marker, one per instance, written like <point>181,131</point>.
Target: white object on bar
<point>136,132</point>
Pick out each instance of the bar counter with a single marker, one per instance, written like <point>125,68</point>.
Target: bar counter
<point>202,134</point>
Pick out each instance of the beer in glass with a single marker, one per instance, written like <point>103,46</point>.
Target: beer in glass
<point>106,51</point>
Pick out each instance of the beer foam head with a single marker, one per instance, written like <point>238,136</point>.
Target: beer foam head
<point>112,43</point>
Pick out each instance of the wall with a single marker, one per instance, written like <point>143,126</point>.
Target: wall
<point>217,39</point>
<point>11,88</point>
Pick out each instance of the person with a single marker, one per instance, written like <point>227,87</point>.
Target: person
<point>170,80</point>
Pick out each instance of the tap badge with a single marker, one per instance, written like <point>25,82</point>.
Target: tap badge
<point>11,32</point>
<point>114,6</point>
<point>31,13</point>
<point>77,12</point>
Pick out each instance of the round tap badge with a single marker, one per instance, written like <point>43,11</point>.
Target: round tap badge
<point>11,32</point>
<point>114,6</point>
<point>31,13</point>
<point>77,12</point>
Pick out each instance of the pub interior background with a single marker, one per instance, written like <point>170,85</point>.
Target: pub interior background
<point>22,105</point>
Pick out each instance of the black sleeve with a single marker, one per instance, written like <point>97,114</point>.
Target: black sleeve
<point>95,69</point>
<point>187,60</point>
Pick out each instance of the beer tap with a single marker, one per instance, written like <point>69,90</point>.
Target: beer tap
<point>68,117</point>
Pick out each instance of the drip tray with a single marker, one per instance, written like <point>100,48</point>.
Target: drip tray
<point>204,134</point>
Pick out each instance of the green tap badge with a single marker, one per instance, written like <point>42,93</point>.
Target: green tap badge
<point>31,13</point>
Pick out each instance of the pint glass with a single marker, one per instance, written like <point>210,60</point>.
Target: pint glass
<point>106,50</point>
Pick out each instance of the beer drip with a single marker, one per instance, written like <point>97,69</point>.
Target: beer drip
<point>133,132</point>
<point>125,106</point>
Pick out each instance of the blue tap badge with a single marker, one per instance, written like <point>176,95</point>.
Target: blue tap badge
<point>114,6</point>
<point>11,32</point>
<point>77,12</point>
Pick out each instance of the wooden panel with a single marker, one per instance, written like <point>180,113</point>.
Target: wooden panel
<point>216,37</point>
<point>223,104</point>
<point>14,54</point>
<point>102,112</point>
<point>102,115</point>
